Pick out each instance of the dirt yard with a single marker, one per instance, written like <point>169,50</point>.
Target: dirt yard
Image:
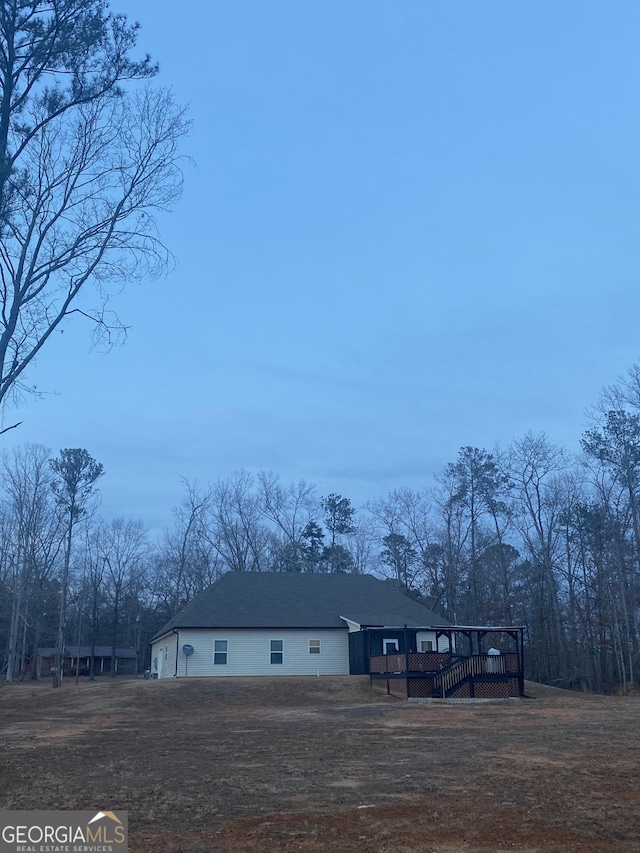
<point>320,764</point>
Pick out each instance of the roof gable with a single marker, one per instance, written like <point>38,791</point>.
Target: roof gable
<point>291,600</point>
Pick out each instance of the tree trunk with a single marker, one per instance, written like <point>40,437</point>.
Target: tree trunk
<point>15,617</point>
<point>114,638</point>
<point>57,675</point>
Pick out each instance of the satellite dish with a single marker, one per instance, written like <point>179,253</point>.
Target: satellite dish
<point>188,650</point>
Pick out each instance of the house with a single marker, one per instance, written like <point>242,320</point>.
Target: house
<point>125,663</point>
<point>254,623</point>
<point>260,623</point>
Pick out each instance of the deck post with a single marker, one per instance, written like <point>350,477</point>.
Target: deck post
<point>406,658</point>
<point>521,662</point>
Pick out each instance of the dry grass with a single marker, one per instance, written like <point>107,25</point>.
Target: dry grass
<point>308,764</point>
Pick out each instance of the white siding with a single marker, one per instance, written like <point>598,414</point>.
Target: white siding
<point>443,642</point>
<point>248,652</point>
<point>164,650</point>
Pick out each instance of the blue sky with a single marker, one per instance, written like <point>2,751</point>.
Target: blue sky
<point>409,227</point>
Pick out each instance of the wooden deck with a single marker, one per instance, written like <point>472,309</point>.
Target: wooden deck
<point>426,675</point>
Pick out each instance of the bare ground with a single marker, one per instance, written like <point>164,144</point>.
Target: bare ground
<point>264,765</point>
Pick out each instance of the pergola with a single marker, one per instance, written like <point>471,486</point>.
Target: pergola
<point>475,655</point>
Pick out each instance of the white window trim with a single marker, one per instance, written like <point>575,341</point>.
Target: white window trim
<point>318,647</point>
<point>226,653</point>
<point>385,650</point>
<point>275,652</point>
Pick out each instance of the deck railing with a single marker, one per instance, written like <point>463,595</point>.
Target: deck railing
<point>437,674</point>
<point>474,665</point>
<point>417,662</point>
<point>435,662</point>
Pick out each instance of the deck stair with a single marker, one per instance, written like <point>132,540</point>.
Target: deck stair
<point>447,680</point>
<point>440,675</point>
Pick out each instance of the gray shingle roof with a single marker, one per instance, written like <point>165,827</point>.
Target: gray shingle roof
<point>288,600</point>
<point>85,651</point>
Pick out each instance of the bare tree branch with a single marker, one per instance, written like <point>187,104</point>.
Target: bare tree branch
<point>84,168</point>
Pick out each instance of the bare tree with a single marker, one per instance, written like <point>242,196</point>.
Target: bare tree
<point>290,509</point>
<point>617,446</point>
<point>94,567</point>
<point>537,475</point>
<point>84,166</point>
<point>236,526</point>
<point>35,537</point>
<point>361,545</point>
<point>449,566</point>
<point>187,561</point>
<point>124,549</point>
<point>407,513</point>
<point>608,529</point>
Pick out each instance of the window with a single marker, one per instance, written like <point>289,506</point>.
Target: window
<point>314,647</point>
<point>276,649</point>
<point>426,645</point>
<point>390,647</point>
<point>220,649</point>
<point>166,652</point>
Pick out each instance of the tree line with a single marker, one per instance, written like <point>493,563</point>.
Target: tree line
<point>527,534</point>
